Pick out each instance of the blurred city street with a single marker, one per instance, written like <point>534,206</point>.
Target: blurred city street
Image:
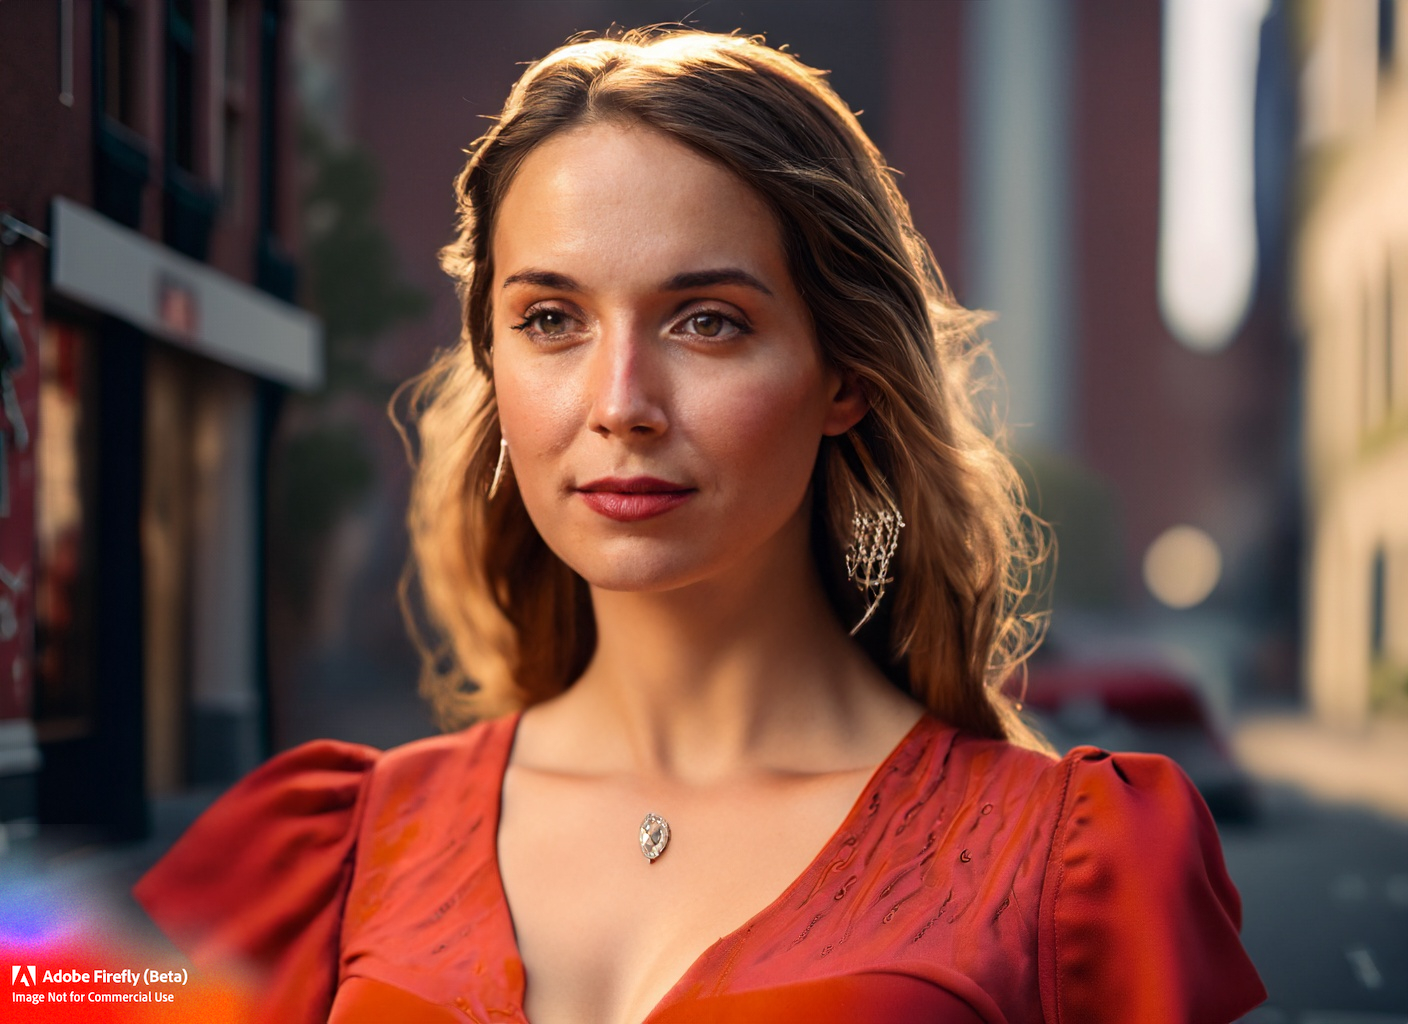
<point>1323,871</point>
<point>1325,904</point>
<point>1183,226</point>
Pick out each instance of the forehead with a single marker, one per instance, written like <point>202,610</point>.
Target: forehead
<point>624,199</point>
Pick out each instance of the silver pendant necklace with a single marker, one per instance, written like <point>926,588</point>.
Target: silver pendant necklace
<point>654,836</point>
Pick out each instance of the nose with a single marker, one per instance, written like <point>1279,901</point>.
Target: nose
<point>627,385</point>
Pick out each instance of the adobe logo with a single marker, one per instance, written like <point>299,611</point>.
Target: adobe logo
<point>24,975</point>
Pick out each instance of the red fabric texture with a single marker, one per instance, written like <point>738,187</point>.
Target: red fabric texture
<point>869,998</point>
<point>972,881</point>
<point>259,880</point>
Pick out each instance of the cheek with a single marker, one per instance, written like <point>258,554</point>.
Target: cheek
<point>770,424</point>
<point>539,422</point>
<point>537,412</point>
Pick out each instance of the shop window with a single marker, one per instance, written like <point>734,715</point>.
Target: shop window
<point>166,512</point>
<point>64,706</point>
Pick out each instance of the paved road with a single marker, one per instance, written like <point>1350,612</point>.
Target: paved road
<point>1325,902</point>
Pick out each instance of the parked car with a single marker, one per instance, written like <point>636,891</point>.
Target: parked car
<point>1144,708</point>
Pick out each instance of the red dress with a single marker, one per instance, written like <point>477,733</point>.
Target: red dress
<point>972,881</point>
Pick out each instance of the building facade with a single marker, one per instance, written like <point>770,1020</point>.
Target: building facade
<point>149,330</point>
<point>1353,291</point>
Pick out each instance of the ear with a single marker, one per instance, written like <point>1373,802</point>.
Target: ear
<point>848,403</point>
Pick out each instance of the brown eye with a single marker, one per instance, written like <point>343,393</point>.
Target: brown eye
<point>550,322</point>
<point>710,325</point>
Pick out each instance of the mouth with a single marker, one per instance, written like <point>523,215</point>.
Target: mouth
<point>631,499</point>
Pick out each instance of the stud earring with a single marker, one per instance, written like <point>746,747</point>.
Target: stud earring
<point>499,468</point>
<point>875,535</point>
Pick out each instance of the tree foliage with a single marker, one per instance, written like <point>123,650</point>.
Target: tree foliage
<point>353,277</point>
<point>322,466</point>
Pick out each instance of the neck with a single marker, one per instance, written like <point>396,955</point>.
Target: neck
<point>723,676</point>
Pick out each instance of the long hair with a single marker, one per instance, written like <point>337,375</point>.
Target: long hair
<point>503,623</point>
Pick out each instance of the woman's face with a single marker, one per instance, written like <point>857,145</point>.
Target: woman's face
<point>658,377</point>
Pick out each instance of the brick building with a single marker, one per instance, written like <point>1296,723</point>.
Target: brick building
<point>149,330</point>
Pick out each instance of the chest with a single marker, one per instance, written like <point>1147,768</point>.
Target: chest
<point>548,911</point>
<point>604,933</point>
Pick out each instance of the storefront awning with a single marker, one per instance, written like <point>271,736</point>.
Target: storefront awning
<point>113,270</point>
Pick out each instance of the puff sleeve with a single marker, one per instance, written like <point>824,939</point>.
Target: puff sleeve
<point>261,878</point>
<point>1138,918</point>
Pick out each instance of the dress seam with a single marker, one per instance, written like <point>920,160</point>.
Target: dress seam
<point>349,867</point>
<point>1058,839</point>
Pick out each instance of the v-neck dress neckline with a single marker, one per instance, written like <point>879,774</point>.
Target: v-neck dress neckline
<point>973,882</point>
<point>502,753</point>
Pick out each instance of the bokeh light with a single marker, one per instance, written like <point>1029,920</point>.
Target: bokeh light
<point>1182,566</point>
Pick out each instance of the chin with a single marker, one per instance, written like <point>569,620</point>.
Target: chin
<point>644,578</point>
<point>641,568</point>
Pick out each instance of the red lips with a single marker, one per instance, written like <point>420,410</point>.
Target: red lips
<point>630,499</point>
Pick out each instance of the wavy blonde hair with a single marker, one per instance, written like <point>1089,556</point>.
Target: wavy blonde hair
<point>503,623</point>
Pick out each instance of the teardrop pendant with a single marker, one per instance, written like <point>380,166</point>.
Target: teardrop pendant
<point>654,836</point>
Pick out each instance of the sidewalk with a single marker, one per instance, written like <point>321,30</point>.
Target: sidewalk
<point>1367,767</point>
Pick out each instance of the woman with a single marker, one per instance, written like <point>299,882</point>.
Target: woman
<point>703,509</point>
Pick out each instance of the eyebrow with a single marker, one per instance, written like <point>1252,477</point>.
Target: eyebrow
<point>705,278</point>
<point>678,283</point>
<point>543,279</point>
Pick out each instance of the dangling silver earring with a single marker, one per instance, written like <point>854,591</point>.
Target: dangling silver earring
<point>874,537</point>
<point>499,469</point>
